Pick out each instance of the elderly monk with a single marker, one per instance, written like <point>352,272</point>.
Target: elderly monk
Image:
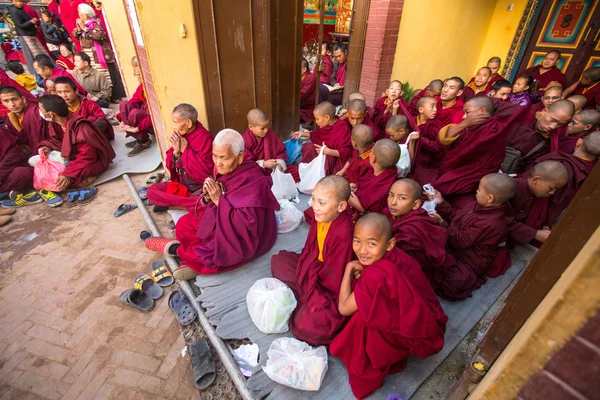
<point>46,68</point>
<point>83,107</point>
<point>189,161</point>
<point>434,89</point>
<point>87,150</point>
<point>449,104</point>
<point>24,118</point>
<point>236,221</point>
<point>308,84</point>
<point>15,172</point>
<point>546,72</point>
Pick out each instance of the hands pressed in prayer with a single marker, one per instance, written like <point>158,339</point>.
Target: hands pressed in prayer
<point>213,189</point>
<point>63,182</point>
<point>270,164</point>
<point>542,235</point>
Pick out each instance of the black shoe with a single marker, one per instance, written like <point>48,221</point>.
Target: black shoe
<point>131,145</point>
<point>140,147</point>
<point>157,209</point>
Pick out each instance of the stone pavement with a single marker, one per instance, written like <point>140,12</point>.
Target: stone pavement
<point>63,332</point>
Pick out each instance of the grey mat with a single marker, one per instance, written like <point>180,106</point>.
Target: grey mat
<point>146,162</point>
<point>224,298</point>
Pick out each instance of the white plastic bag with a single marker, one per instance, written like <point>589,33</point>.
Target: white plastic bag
<point>429,205</point>
<point>403,163</point>
<point>288,217</point>
<point>284,186</point>
<point>270,303</point>
<point>295,364</point>
<point>311,173</point>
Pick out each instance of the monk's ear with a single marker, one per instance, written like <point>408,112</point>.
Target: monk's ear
<point>459,93</point>
<point>417,204</point>
<point>342,206</point>
<point>579,143</point>
<point>391,244</point>
<point>491,198</point>
<point>240,157</point>
<point>589,127</point>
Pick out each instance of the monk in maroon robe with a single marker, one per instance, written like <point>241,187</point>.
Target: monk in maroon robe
<point>83,107</point>
<point>428,152</point>
<point>477,235</point>
<point>326,67</point>
<point>316,273</point>
<point>263,146</point>
<point>135,118</point>
<point>358,165</point>
<point>87,150</point>
<point>358,114</point>
<point>478,86</point>
<point>234,221</point>
<point>382,331</point>
<point>582,124</point>
<point>335,97</point>
<point>5,80</point>
<point>46,69</point>
<point>189,161</point>
<point>434,89</point>
<point>69,16</point>
<point>389,105</point>
<point>494,65</point>
<point>546,73</point>
<point>24,118</point>
<point>335,135</point>
<point>15,173</point>
<point>308,85</point>
<point>450,104</point>
<point>530,203</point>
<point>371,191</point>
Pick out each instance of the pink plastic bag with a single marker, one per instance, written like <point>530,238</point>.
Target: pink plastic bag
<point>46,172</point>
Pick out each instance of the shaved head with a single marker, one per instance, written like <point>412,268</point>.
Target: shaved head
<point>186,111</point>
<point>325,108</point>
<point>357,106</point>
<point>424,100</point>
<point>550,171</point>
<point>564,106</point>
<point>494,60</point>
<point>380,221</point>
<point>338,184</point>
<point>590,117</point>
<point>482,102</point>
<point>362,135</point>
<point>593,74</point>
<point>485,69</point>
<point>356,96</point>
<point>411,186</point>
<point>397,122</point>
<point>460,84</point>
<point>257,116</point>
<point>554,89</point>
<point>436,85</point>
<point>503,187</point>
<point>591,145</point>
<point>579,100</point>
<point>387,153</point>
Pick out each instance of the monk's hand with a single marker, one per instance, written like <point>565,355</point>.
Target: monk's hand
<point>395,106</point>
<point>353,187</point>
<point>336,85</point>
<point>354,268</point>
<point>131,129</point>
<point>46,150</point>
<point>296,135</point>
<point>542,235</point>
<point>63,182</point>
<point>213,189</point>
<point>342,113</point>
<point>437,217</point>
<point>437,196</point>
<point>270,164</point>
<point>413,137</point>
<point>354,202</point>
<point>175,142</point>
<point>318,148</point>
<point>476,118</point>
<point>183,144</point>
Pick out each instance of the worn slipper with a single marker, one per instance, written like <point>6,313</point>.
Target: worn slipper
<point>143,192</point>
<point>146,284</point>
<point>161,274</point>
<point>202,364</point>
<point>184,273</point>
<point>144,235</point>
<point>138,299</point>
<point>162,245</point>
<point>155,178</point>
<point>123,208</point>
<point>86,195</point>
<point>182,308</point>
<point>71,200</point>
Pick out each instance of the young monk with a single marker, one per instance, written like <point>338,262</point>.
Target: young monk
<point>546,73</point>
<point>335,135</point>
<point>450,104</point>
<point>579,165</point>
<point>370,192</point>
<point>263,146</point>
<point>388,105</point>
<point>478,85</point>
<point>45,67</point>
<point>375,291</point>
<point>23,118</point>
<point>428,151</point>
<point>308,85</point>
<point>579,101</point>
<point>476,235</point>
<point>501,90</point>
<point>343,112</point>
<point>358,114</point>
<point>417,233</point>
<point>15,173</point>
<point>362,142</point>
<point>582,124</point>
<point>530,204</point>
<point>521,91</point>
<point>397,129</point>
<point>494,65</point>
<point>189,161</point>
<point>82,106</point>
<point>588,86</point>
<point>434,89</point>
<point>326,67</point>
<point>550,96</point>
<point>316,273</point>
<point>88,151</point>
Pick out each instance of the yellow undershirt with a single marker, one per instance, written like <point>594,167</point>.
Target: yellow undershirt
<point>589,88</point>
<point>419,123</point>
<point>77,109</point>
<point>322,229</point>
<point>366,154</point>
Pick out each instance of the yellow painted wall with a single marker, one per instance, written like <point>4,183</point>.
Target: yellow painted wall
<point>444,38</point>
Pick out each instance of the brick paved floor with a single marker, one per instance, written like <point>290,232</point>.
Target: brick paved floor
<point>63,332</point>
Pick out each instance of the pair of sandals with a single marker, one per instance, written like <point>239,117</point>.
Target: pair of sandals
<point>146,290</point>
<point>80,197</point>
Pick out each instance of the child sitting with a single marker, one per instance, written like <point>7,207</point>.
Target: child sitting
<point>521,91</point>
<point>23,79</point>
<point>394,311</point>
<point>389,105</point>
<point>579,101</point>
<point>397,129</point>
<point>427,153</point>
<point>362,142</point>
<point>357,114</point>
<point>582,124</point>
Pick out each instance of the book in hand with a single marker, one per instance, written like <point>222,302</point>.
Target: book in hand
<point>334,89</point>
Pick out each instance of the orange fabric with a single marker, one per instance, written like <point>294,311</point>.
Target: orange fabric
<point>366,154</point>
<point>419,122</point>
<point>322,229</point>
<point>475,88</point>
<point>590,88</point>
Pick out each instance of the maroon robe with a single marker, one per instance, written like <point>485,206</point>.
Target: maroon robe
<point>372,191</point>
<point>336,137</point>
<point>532,112</point>
<point>5,80</point>
<point>381,118</point>
<point>241,228</point>
<point>193,166</point>
<point>69,16</point>
<point>134,112</point>
<point>268,148</point>
<point>554,74</point>
<point>91,111</point>
<point>308,86</point>
<point>358,166</point>
<point>525,138</point>
<point>528,215</point>
<point>325,75</point>
<point>429,152</point>
<point>450,115</point>
<point>340,74</point>
<point>469,93</point>
<point>32,129</point>
<point>591,93</point>
<point>316,284</point>
<point>384,331</point>
<point>57,72</point>
<point>490,83</point>
<point>15,172</point>
<point>420,236</point>
<point>412,107</point>
<point>476,236</point>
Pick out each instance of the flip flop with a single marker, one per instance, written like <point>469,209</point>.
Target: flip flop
<point>86,195</point>
<point>146,284</point>
<point>161,274</point>
<point>182,308</point>
<point>123,208</point>
<point>155,178</point>
<point>202,364</point>
<point>143,192</point>
<point>144,235</point>
<point>137,299</point>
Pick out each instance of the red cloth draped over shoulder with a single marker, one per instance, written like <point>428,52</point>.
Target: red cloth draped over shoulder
<point>469,93</point>
<point>91,111</point>
<point>554,74</point>
<point>528,215</point>
<point>591,93</point>
<point>359,165</point>
<point>381,118</point>
<point>241,228</point>
<point>531,115</point>
<point>32,129</point>
<point>372,191</point>
<point>429,152</point>
<point>308,86</point>
<point>325,75</point>
<point>412,107</point>
<point>316,284</point>
<point>385,331</point>
<point>69,16</point>
<point>11,157</point>
<point>450,115</point>
<point>65,63</point>
<point>336,137</point>
<point>340,74</point>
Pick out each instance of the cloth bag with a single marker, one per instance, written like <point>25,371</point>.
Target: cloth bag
<point>288,217</point>
<point>270,304</point>
<point>46,172</point>
<point>293,148</point>
<point>296,364</point>
<point>311,173</point>
<point>284,187</point>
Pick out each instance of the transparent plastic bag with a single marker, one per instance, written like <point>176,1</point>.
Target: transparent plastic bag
<point>284,186</point>
<point>288,217</point>
<point>429,205</point>
<point>270,304</point>
<point>311,173</point>
<point>296,364</point>
<point>46,172</point>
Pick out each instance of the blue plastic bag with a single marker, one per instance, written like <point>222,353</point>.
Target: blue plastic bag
<point>293,149</point>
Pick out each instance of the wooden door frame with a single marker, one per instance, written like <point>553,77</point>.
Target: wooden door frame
<point>356,47</point>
